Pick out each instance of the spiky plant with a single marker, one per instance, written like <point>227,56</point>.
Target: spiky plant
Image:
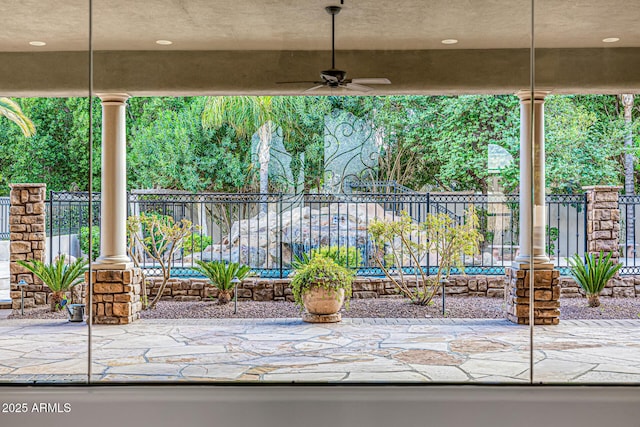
<point>592,274</point>
<point>60,277</point>
<point>221,274</point>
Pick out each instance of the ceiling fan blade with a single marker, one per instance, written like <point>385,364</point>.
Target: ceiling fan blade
<point>314,88</point>
<point>299,81</point>
<point>356,86</point>
<point>372,81</point>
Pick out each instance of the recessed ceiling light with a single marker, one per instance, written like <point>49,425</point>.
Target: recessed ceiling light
<point>611,39</point>
<point>449,41</point>
<point>164,42</point>
<point>37,43</point>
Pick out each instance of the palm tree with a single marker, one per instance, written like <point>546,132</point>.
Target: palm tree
<point>247,115</point>
<point>13,112</point>
<point>299,118</point>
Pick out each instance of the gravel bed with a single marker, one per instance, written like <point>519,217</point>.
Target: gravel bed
<point>456,307</point>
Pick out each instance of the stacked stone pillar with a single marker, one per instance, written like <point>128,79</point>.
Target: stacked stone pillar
<point>28,239</point>
<point>546,296</point>
<point>603,220</point>
<point>116,296</point>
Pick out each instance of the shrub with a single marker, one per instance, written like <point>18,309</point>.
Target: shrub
<point>409,241</point>
<point>196,243</point>
<point>95,242</point>
<point>348,257</point>
<point>159,237</point>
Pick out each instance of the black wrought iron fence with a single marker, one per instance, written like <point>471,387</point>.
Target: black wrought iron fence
<point>267,231</point>
<point>5,204</point>
<point>566,228</point>
<point>629,234</point>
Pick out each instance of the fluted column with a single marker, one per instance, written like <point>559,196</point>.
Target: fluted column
<point>113,202</point>
<point>532,198</point>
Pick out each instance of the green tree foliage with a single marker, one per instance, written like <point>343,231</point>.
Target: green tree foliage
<point>466,126</point>
<point>300,120</point>
<point>439,142</point>
<point>12,111</point>
<point>57,153</point>
<point>169,148</point>
<point>434,143</point>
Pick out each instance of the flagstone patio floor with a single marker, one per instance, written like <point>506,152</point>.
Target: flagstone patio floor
<point>289,350</point>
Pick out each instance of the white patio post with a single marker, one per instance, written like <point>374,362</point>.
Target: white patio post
<point>546,288</point>
<point>529,195</point>
<point>113,202</point>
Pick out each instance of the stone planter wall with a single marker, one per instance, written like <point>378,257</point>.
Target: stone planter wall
<point>279,289</point>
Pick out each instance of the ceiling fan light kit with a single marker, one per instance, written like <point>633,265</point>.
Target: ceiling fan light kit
<point>334,78</point>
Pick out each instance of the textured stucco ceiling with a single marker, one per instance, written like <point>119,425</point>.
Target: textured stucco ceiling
<point>304,25</point>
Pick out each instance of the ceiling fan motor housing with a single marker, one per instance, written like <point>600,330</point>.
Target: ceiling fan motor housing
<point>333,77</point>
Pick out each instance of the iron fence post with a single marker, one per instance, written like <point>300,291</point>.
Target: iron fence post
<point>50,226</point>
<point>586,229</point>
<point>428,248</point>
<point>280,205</point>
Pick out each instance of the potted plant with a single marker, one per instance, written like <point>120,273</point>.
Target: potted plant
<point>221,275</point>
<point>592,274</point>
<point>60,277</point>
<point>321,286</point>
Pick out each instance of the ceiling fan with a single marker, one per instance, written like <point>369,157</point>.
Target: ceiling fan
<point>334,78</point>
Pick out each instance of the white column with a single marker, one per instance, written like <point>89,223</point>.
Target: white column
<point>532,197</point>
<point>113,204</point>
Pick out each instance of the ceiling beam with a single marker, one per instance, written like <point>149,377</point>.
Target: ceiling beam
<point>429,72</point>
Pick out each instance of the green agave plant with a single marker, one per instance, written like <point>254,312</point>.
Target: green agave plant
<point>221,274</point>
<point>59,276</point>
<point>592,274</point>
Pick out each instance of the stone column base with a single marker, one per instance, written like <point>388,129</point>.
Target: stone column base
<point>546,306</point>
<point>116,296</point>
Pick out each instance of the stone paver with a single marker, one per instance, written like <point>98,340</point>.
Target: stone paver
<point>289,350</point>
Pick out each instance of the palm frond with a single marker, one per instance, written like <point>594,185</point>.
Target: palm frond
<point>13,112</point>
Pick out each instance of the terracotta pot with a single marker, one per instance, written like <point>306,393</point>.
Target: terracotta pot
<point>319,300</point>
